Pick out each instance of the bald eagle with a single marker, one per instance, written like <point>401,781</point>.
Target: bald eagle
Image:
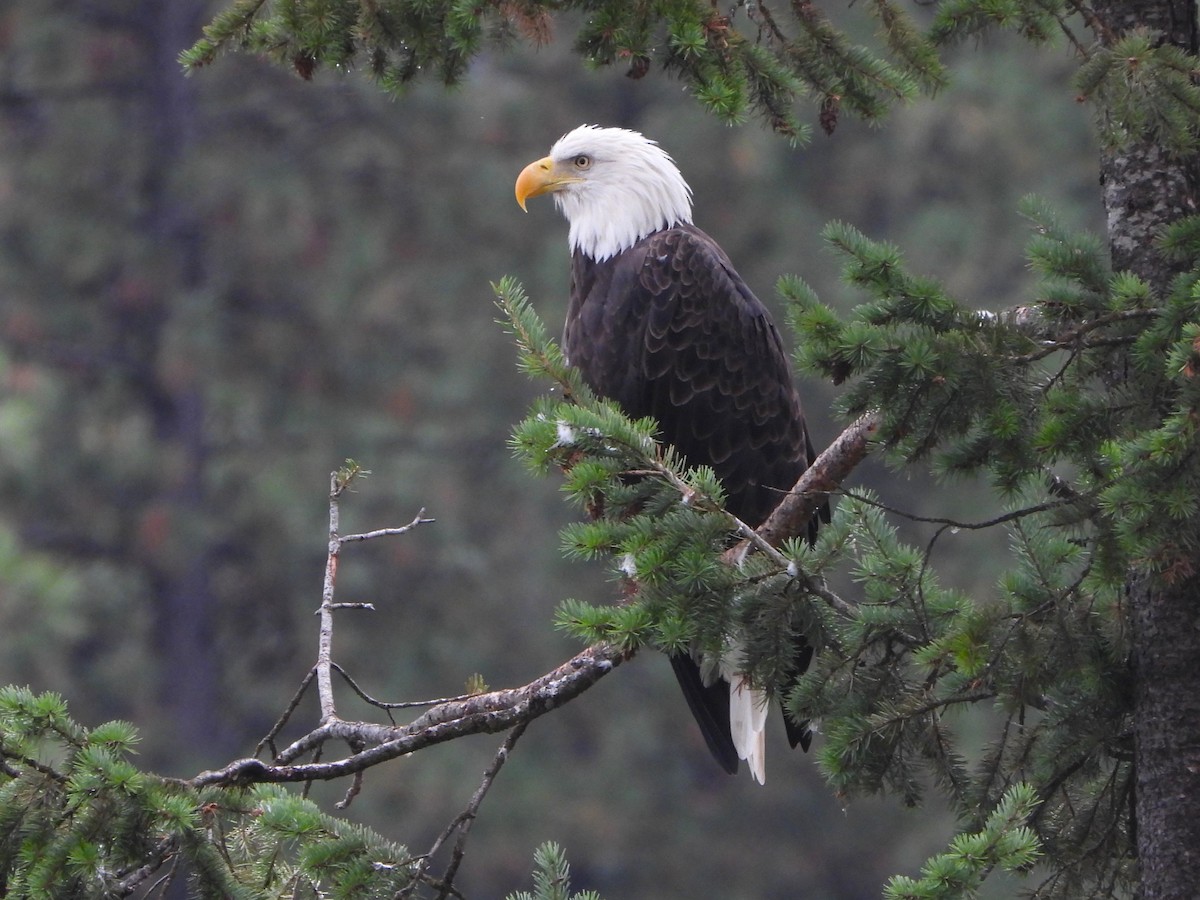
<point>661,323</point>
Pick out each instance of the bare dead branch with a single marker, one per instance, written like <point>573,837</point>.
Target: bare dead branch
<point>353,791</point>
<point>1000,519</point>
<point>133,880</point>
<point>317,755</point>
<point>467,819</point>
<point>388,532</point>
<point>163,884</point>
<point>488,713</point>
<point>325,636</point>
<point>339,481</point>
<point>389,704</point>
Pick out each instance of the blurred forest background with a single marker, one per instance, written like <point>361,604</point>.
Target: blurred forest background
<point>215,289</point>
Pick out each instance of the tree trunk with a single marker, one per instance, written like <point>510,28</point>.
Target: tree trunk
<point>186,605</point>
<point>1145,189</point>
<point>1166,626</point>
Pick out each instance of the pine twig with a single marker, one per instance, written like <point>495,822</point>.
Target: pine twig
<point>420,519</point>
<point>467,819</point>
<point>268,739</point>
<point>463,821</point>
<point>387,705</point>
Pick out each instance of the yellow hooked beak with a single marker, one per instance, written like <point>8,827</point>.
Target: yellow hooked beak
<point>541,177</point>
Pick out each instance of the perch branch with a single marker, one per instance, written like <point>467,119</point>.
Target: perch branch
<point>823,477</point>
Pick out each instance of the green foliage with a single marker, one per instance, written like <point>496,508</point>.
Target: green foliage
<point>941,374</point>
<point>1004,842</point>
<point>552,877</point>
<point>904,655</point>
<point>538,356</point>
<point>660,525</point>
<point>397,40</point>
<point>288,843</point>
<point>1098,480</point>
<point>1082,409</point>
<point>845,74</point>
<point>1144,90</point>
<point>1038,21</point>
<point>732,66</point>
<point>78,819</point>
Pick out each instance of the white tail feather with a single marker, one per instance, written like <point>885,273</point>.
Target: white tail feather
<point>747,726</point>
<point>747,708</point>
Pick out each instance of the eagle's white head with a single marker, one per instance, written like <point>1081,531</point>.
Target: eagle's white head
<point>615,186</point>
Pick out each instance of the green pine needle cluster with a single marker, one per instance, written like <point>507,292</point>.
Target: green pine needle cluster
<point>395,42</point>
<point>736,63</point>
<point>289,843</point>
<point>973,392</point>
<point>1004,842</point>
<point>552,877</point>
<point>79,819</point>
<point>941,375</point>
<point>1081,409</point>
<point>1038,21</point>
<point>906,655</point>
<point>1144,89</point>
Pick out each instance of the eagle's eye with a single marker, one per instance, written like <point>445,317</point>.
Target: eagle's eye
<point>582,161</point>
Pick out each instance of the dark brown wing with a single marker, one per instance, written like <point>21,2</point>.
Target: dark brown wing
<point>668,329</point>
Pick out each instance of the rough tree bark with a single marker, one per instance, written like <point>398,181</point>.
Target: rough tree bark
<point>1145,189</point>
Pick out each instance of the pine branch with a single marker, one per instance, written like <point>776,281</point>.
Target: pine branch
<point>729,72</point>
<point>552,877</point>
<point>1005,841</point>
